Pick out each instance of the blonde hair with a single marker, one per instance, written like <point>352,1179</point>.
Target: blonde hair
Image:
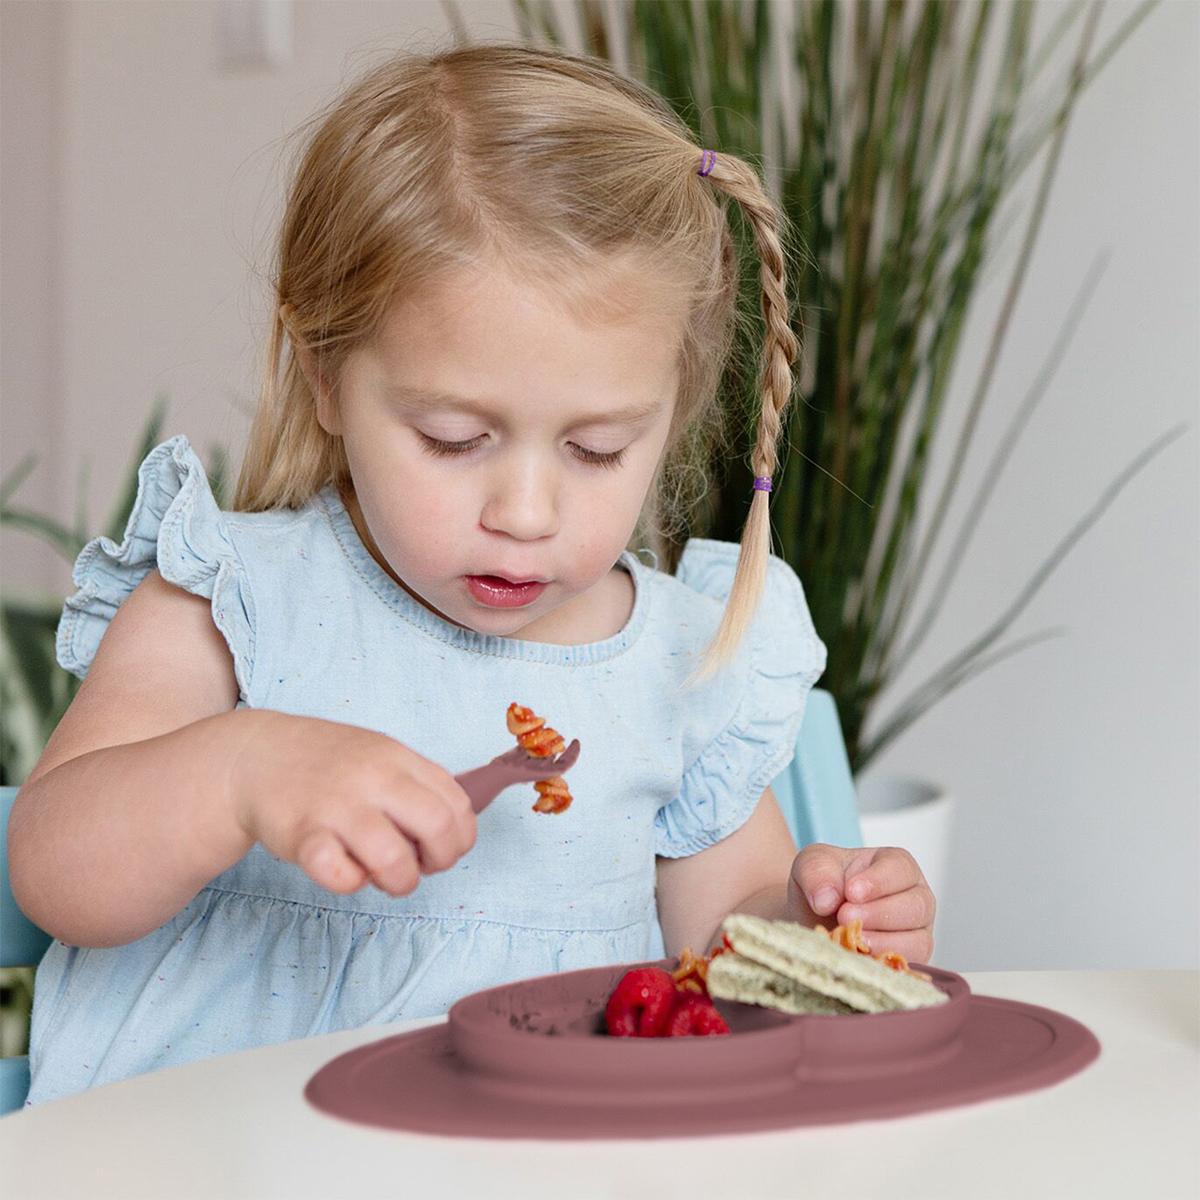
<point>557,167</point>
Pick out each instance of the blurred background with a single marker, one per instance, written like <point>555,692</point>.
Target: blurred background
<point>144,164</point>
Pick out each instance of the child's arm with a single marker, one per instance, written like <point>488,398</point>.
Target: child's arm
<point>154,783</point>
<point>695,893</point>
<point>127,814</point>
<point>757,870</point>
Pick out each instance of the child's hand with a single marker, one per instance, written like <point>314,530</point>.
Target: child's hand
<point>347,805</point>
<point>882,886</point>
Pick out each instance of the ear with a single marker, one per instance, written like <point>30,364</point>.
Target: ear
<point>327,416</point>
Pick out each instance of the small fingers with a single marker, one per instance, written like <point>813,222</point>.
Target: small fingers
<point>890,871</point>
<point>436,822</point>
<point>912,909</point>
<point>902,923</point>
<point>323,857</point>
<point>401,876</point>
<point>819,874</point>
<point>438,832</point>
<point>389,858</point>
<point>446,789</point>
<point>915,944</point>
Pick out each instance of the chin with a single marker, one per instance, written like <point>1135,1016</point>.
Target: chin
<point>503,622</point>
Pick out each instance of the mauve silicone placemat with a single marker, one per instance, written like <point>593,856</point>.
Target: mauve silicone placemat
<point>419,1082</point>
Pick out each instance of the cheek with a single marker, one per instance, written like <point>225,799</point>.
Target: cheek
<point>625,500</point>
<point>416,520</point>
<point>599,524</point>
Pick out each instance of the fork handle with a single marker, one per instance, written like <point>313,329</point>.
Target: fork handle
<point>483,785</point>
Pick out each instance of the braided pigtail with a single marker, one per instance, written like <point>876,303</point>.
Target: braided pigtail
<point>740,182</point>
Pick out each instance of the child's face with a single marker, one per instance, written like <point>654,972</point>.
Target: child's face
<point>521,501</point>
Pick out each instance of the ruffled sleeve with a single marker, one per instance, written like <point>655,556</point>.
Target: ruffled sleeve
<point>176,526</point>
<point>778,662</point>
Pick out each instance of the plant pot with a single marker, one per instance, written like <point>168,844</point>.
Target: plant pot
<point>914,814</point>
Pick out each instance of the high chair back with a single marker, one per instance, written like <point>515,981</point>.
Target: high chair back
<point>22,944</point>
<point>816,792</point>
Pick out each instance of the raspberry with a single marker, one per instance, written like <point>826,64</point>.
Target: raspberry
<point>641,1003</point>
<point>695,1016</point>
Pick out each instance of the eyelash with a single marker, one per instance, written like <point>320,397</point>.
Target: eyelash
<point>594,458</point>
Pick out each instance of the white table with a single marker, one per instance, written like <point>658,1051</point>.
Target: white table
<point>238,1126</point>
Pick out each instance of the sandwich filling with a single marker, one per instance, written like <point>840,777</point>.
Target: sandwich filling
<point>735,977</point>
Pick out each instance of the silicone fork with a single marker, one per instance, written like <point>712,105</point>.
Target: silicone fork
<point>485,783</point>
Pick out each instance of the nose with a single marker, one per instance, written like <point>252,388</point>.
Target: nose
<point>522,502</point>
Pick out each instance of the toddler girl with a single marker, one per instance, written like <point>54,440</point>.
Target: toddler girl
<point>508,290</point>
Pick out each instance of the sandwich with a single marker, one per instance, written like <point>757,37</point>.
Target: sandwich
<point>787,966</point>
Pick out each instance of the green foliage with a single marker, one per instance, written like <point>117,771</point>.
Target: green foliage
<point>893,215</point>
<point>34,690</point>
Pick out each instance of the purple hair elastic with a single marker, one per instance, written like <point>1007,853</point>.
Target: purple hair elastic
<point>706,163</point>
<point>762,483</point>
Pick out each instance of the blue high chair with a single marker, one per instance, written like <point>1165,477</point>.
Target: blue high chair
<point>22,944</point>
<point>816,794</point>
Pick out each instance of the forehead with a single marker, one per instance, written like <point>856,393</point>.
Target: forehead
<point>500,341</point>
<point>420,400</point>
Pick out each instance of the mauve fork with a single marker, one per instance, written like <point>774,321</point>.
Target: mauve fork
<point>485,783</point>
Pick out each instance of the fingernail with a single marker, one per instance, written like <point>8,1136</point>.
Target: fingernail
<point>857,889</point>
<point>824,900</point>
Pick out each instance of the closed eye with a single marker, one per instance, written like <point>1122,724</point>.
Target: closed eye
<point>596,458</point>
<point>444,448</point>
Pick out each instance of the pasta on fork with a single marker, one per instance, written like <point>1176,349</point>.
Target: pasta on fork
<point>535,737</point>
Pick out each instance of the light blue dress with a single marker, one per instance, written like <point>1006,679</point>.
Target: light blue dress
<point>316,627</point>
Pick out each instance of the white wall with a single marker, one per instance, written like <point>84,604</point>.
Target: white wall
<point>141,180</point>
<point>1075,763</point>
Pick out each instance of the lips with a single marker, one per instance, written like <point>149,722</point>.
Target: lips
<point>509,579</point>
<point>495,591</point>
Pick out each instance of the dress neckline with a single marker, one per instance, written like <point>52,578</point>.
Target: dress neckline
<point>396,598</point>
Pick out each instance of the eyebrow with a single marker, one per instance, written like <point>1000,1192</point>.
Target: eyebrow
<point>413,399</point>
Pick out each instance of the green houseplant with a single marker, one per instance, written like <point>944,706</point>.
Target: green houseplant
<point>35,691</point>
<point>884,271</point>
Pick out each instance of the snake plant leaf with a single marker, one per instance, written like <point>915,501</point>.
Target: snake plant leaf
<point>46,528</point>
<point>16,477</point>
<point>893,188</point>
